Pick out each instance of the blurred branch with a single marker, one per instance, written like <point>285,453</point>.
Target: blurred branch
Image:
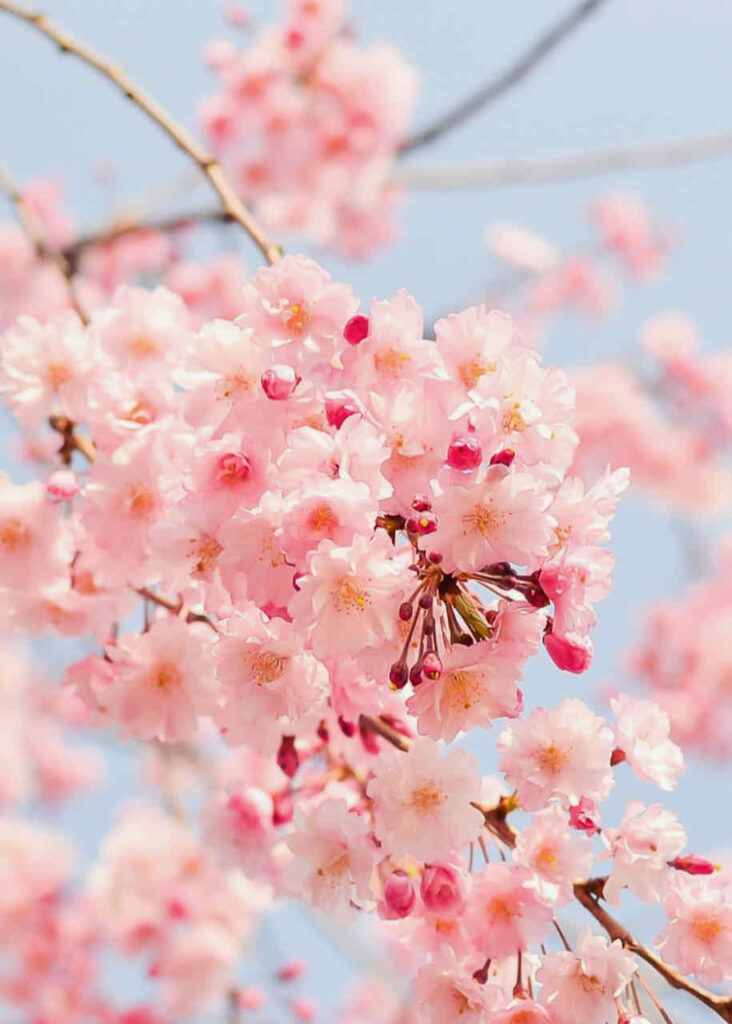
<point>506,80</point>
<point>123,227</point>
<point>525,170</point>
<point>34,229</point>
<point>208,165</point>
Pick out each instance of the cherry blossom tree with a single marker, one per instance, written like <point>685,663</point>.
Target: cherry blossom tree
<point>297,549</point>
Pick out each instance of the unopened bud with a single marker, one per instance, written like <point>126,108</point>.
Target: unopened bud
<point>692,864</point>
<point>279,381</point>
<point>441,890</point>
<point>62,485</point>
<point>287,757</point>
<point>339,405</point>
<point>585,816</point>
<point>356,330</point>
<point>503,458</point>
<point>399,897</point>
<point>465,452</point>
<point>432,666</point>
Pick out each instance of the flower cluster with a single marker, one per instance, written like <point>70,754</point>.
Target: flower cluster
<point>308,123</point>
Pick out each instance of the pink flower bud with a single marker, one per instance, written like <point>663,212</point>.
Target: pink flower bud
<point>237,15</point>
<point>279,381</point>
<point>62,485</point>
<point>421,503</point>
<point>287,757</point>
<point>250,998</point>
<point>356,330</point>
<point>465,452</point>
<point>339,405</point>
<point>692,864</point>
<point>283,807</point>
<point>399,897</point>
<point>304,1009</point>
<point>422,524</point>
<point>233,468</point>
<point>571,653</point>
<point>441,890</point>
<point>617,757</point>
<point>432,666</point>
<point>585,816</point>
<point>347,728</point>
<point>398,675</point>
<point>405,611</point>
<point>503,458</point>
<point>292,970</point>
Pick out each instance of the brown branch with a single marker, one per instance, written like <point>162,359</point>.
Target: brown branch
<point>585,892</point>
<point>124,227</point>
<point>72,442</point>
<point>209,166</point>
<point>506,80</point>
<point>34,230</point>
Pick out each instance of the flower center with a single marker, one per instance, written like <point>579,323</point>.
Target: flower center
<point>166,676</point>
<point>140,501</point>
<point>427,799</point>
<point>297,317</point>
<point>57,374</point>
<point>235,383</point>
<point>322,518</point>
<point>551,759</point>
<point>205,552</point>
<point>390,361</point>
<point>14,535</point>
<point>471,371</point>
<point>462,690</point>
<point>142,347</point>
<point>512,419</point>
<point>484,519</point>
<point>267,666</point>
<point>349,596</point>
<point>706,927</point>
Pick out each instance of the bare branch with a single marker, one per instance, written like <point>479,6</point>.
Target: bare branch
<point>527,170</point>
<point>209,166</point>
<point>506,80</point>
<point>34,229</point>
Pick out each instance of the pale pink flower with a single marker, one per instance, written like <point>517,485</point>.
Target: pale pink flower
<point>162,680</point>
<point>448,992</point>
<point>581,987</point>
<point>474,342</point>
<point>505,914</point>
<point>648,838</point>
<point>422,802</point>
<point>142,330</point>
<point>333,857</point>
<point>555,855</point>
<point>500,515</point>
<point>642,733</point>
<point>349,598</point>
<point>563,753</point>
<point>698,936</point>
<point>521,247</point>
<point>35,542</point>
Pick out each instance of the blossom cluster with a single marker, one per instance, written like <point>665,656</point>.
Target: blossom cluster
<point>308,123</point>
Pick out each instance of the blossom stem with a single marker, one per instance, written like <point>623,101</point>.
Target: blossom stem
<point>506,80</point>
<point>208,165</point>
<point>653,997</point>
<point>35,233</point>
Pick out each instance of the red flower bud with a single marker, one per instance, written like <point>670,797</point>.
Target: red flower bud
<point>399,897</point>
<point>279,381</point>
<point>441,890</point>
<point>356,330</point>
<point>465,452</point>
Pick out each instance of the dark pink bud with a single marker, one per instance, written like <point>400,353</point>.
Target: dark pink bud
<point>283,807</point>
<point>617,757</point>
<point>339,405</point>
<point>692,864</point>
<point>399,897</point>
<point>356,330</point>
<point>279,381</point>
<point>233,468</point>
<point>347,728</point>
<point>415,674</point>
<point>503,458</point>
<point>585,816</point>
<point>569,654</point>
<point>465,452</point>
<point>423,524</point>
<point>421,503</point>
<point>398,675</point>
<point>405,611</point>
<point>426,601</point>
<point>62,485</point>
<point>432,666</point>
<point>435,557</point>
<point>287,757</point>
<point>441,890</point>
<point>292,970</point>
<point>323,732</point>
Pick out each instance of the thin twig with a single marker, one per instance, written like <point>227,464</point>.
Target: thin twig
<point>34,229</point>
<point>528,170</point>
<point>121,228</point>
<point>585,893</point>
<point>506,80</point>
<point>208,164</point>
<point>653,997</point>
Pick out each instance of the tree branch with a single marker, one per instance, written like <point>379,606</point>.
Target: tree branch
<point>122,228</point>
<point>209,166</point>
<point>34,229</point>
<point>506,80</point>
<point>527,170</point>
